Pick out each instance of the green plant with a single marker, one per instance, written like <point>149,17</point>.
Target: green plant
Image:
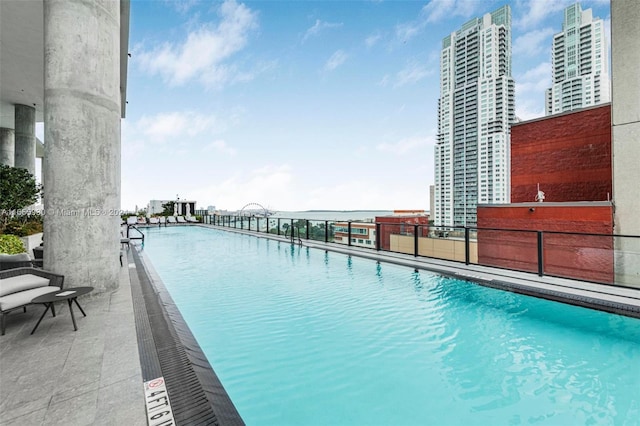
<point>168,208</point>
<point>18,189</point>
<point>11,244</point>
<point>23,225</point>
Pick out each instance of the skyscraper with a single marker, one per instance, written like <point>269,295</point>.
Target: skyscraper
<point>580,66</point>
<point>475,111</point>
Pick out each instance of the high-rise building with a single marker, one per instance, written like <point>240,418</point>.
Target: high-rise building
<point>579,61</point>
<point>475,111</point>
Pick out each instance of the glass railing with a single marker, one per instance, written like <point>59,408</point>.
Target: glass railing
<point>599,258</point>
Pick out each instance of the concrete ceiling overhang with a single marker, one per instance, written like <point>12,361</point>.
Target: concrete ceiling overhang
<point>22,57</point>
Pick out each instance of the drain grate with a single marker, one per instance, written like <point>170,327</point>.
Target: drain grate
<point>167,348</point>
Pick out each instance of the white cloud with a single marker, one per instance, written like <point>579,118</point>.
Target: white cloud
<point>412,73</point>
<point>372,40</point>
<point>183,6</point>
<point>530,89</point>
<point>361,193</point>
<point>203,54</point>
<point>534,42</point>
<point>268,186</point>
<point>221,146</point>
<point>536,11</point>
<point>169,126</point>
<point>536,80</point>
<point>528,109</point>
<point>337,59</point>
<point>405,146</point>
<point>408,30</point>
<point>438,10</point>
<point>318,27</point>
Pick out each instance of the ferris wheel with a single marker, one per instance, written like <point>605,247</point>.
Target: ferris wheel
<point>251,208</point>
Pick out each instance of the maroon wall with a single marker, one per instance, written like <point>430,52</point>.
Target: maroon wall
<point>567,255</point>
<point>402,225</point>
<point>569,155</point>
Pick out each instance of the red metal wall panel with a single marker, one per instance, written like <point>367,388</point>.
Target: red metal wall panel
<point>566,255</point>
<point>569,155</point>
<point>401,225</point>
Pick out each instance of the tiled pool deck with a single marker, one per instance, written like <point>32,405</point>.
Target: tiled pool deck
<point>60,377</point>
<point>94,376</point>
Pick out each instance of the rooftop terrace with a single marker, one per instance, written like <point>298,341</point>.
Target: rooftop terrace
<point>96,375</point>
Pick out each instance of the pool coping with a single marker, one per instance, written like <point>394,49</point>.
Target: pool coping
<point>168,349</point>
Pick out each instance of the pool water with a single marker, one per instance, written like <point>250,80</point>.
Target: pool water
<point>299,336</point>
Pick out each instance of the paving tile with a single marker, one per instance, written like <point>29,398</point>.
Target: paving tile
<point>80,371</point>
<point>23,409</point>
<point>34,418</point>
<point>115,403</point>
<point>33,385</point>
<point>66,394</point>
<point>66,377</point>
<point>79,410</point>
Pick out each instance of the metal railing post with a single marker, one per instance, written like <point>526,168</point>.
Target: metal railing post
<point>349,232</point>
<point>540,255</point>
<point>415,240</point>
<point>307,222</point>
<point>378,227</point>
<point>326,231</point>
<point>466,245</point>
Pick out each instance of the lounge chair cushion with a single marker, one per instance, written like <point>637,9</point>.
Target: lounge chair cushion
<point>21,283</point>
<point>24,297</point>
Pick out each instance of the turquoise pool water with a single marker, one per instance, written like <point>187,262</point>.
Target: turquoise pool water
<point>303,337</point>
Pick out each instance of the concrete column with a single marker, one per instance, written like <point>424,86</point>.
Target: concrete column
<point>7,146</point>
<point>625,117</point>
<point>25,146</point>
<point>82,149</point>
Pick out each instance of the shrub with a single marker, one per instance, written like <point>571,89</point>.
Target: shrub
<point>11,244</point>
<point>18,189</point>
<point>23,225</point>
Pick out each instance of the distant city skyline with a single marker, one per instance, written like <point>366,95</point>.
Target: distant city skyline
<point>303,105</point>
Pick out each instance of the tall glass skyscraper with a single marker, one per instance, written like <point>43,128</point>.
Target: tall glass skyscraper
<point>580,64</point>
<point>475,111</point>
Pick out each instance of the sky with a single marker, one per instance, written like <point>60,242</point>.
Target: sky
<point>304,105</point>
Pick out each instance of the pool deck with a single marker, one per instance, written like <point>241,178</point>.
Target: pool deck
<point>59,376</point>
<point>94,376</point>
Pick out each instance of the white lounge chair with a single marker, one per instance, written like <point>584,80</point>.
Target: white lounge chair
<point>192,219</point>
<point>181,219</point>
<point>154,221</point>
<point>171,220</point>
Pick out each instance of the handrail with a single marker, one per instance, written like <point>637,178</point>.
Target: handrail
<point>539,255</point>
<point>141,237</point>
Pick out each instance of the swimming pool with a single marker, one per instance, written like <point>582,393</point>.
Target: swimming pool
<point>304,337</point>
